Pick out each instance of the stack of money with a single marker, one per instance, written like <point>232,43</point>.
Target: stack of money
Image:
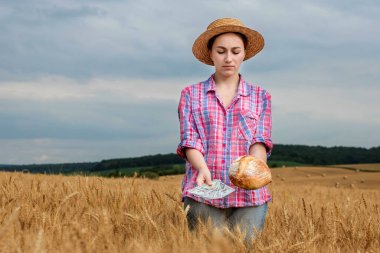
<point>216,191</point>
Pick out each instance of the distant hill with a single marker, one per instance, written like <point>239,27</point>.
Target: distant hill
<point>319,155</point>
<point>143,161</point>
<point>50,168</point>
<point>297,154</point>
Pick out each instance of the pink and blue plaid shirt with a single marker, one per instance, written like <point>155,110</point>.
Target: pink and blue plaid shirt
<point>223,134</point>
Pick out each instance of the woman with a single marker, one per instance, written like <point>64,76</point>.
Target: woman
<point>221,119</point>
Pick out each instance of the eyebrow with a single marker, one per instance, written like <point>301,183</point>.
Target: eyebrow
<point>226,48</point>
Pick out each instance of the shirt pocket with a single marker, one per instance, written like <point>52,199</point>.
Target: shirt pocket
<point>247,125</point>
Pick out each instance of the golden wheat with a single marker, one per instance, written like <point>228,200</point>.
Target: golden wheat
<point>53,213</point>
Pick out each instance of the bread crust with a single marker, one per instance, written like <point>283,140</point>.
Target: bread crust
<point>249,172</point>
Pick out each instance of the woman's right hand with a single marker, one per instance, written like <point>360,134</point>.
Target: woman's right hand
<point>204,176</point>
<point>198,162</point>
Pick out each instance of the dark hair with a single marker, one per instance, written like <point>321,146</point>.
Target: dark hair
<point>212,40</point>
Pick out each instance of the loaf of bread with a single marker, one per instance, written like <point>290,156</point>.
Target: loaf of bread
<point>249,172</point>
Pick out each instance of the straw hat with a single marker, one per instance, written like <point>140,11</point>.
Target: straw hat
<point>255,41</point>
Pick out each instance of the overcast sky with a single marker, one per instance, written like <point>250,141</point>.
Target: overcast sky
<point>91,80</point>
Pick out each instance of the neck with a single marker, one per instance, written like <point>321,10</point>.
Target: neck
<point>230,81</point>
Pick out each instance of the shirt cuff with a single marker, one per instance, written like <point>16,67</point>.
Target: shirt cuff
<point>190,144</point>
<point>267,143</point>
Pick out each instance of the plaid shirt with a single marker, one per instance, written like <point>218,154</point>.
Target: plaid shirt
<point>222,135</point>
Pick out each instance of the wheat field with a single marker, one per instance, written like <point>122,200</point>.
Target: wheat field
<point>55,213</point>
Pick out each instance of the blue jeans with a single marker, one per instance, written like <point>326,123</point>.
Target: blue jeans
<point>250,219</point>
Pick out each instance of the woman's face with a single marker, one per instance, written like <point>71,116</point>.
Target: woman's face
<point>227,53</point>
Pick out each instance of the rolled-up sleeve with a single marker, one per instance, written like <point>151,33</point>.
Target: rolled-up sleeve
<point>264,126</point>
<point>188,131</point>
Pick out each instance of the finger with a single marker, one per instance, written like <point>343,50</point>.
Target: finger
<point>199,181</point>
<point>208,181</point>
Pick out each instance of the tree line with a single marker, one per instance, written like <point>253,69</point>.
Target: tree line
<point>298,154</point>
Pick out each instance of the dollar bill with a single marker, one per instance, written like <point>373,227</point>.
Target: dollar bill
<point>216,191</point>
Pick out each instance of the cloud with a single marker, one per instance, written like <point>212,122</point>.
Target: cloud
<point>51,150</point>
<point>84,80</point>
<point>61,108</point>
<point>332,116</point>
<point>57,119</point>
<point>81,41</point>
<point>132,39</point>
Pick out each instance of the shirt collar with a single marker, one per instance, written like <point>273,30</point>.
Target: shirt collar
<point>242,89</point>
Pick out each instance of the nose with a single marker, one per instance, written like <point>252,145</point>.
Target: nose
<point>228,57</point>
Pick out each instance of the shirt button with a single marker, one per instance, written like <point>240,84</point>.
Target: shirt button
<point>224,129</point>
<point>223,161</point>
<point>224,145</point>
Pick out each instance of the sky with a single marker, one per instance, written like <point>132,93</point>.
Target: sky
<point>91,80</point>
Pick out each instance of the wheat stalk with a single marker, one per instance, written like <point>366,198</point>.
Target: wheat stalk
<point>5,225</point>
<point>60,206</point>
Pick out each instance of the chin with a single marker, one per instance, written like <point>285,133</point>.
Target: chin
<point>228,73</point>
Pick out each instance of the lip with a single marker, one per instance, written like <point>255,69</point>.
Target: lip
<point>228,66</point>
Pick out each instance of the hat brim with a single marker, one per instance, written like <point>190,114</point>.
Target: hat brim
<point>255,42</point>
